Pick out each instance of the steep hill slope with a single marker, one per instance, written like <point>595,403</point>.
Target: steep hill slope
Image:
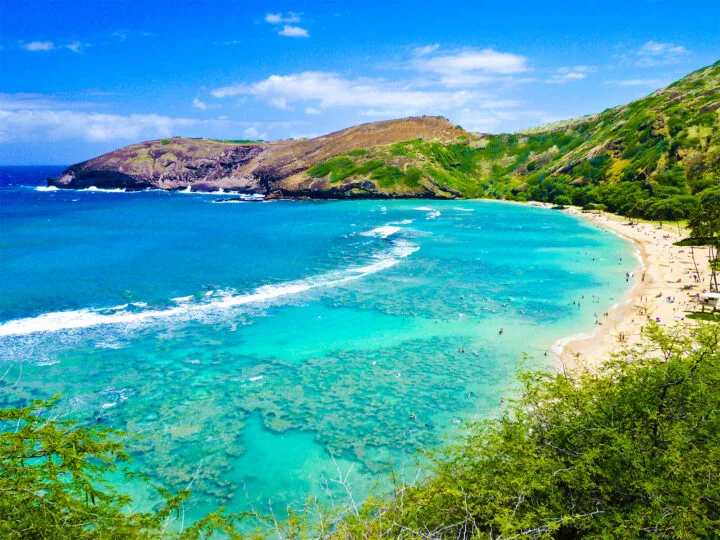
<point>657,157</point>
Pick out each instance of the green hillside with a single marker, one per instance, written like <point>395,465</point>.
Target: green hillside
<point>657,157</point>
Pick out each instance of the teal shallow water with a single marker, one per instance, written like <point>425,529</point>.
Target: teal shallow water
<point>247,343</point>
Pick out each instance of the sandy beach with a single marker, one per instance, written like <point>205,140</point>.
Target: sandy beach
<point>664,288</point>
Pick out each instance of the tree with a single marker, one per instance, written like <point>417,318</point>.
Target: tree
<point>705,226</point>
<point>53,484</point>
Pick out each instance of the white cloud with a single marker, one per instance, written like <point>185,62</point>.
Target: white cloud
<point>43,124</point>
<point>199,104</point>
<point>653,48</point>
<point>566,77</point>
<point>312,110</point>
<point>570,73</point>
<point>427,49</point>
<point>76,46</point>
<point>472,67</point>
<point>45,46</point>
<point>490,120</point>
<point>652,83</point>
<point>35,46</point>
<point>34,117</point>
<point>279,18</point>
<point>654,53</point>
<point>321,90</point>
<point>293,31</point>
<point>286,20</point>
<point>253,133</point>
<point>23,100</point>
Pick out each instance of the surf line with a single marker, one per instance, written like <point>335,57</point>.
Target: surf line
<point>90,317</point>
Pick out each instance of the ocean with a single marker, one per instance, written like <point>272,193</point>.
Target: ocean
<point>262,349</point>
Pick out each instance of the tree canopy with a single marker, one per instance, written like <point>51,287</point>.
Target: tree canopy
<point>53,484</point>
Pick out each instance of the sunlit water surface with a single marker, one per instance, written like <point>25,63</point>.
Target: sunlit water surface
<point>250,343</point>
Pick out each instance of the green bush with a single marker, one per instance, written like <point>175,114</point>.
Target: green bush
<point>632,451</point>
<point>53,484</point>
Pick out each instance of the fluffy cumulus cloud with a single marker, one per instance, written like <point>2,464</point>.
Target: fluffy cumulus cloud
<point>471,67</point>
<point>444,83</point>
<point>447,81</point>
<point>654,53</point>
<point>43,124</point>
<point>323,90</point>
<point>199,104</point>
<point>34,117</point>
<point>284,23</point>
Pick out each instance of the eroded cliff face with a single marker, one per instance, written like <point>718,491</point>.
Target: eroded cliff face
<point>168,164</point>
<point>275,169</point>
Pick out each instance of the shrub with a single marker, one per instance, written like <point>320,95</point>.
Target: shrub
<point>632,451</point>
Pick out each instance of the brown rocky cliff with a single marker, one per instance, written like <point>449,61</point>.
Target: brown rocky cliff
<point>253,167</point>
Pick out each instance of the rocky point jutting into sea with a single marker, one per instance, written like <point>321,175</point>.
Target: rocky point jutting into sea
<point>276,169</point>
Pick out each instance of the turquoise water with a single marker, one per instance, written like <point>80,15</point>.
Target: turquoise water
<point>260,348</point>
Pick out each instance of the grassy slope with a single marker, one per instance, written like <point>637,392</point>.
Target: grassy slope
<point>656,157</point>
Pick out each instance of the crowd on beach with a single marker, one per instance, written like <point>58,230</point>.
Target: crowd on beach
<point>669,285</point>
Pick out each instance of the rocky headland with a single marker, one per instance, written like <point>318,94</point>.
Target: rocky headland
<point>274,169</point>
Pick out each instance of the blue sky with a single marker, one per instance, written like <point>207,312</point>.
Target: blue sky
<point>79,78</point>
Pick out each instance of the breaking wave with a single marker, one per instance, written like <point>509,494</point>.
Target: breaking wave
<point>188,307</point>
<point>431,212</point>
<point>381,232</point>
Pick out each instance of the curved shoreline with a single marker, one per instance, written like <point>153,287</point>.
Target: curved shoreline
<point>666,272</point>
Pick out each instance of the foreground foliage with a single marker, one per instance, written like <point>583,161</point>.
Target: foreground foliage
<point>631,452</point>
<point>53,484</point>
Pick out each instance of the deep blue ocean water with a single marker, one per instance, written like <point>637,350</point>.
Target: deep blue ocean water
<point>259,348</point>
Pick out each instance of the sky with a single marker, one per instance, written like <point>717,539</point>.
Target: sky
<point>79,78</point>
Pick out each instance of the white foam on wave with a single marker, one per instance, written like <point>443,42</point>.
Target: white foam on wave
<point>432,213</point>
<point>104,190</point>
<point>461,209</point>
<point>402,222</point>
<point>218,301</point>
<point>47,188</point>
<point>382,232</point>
